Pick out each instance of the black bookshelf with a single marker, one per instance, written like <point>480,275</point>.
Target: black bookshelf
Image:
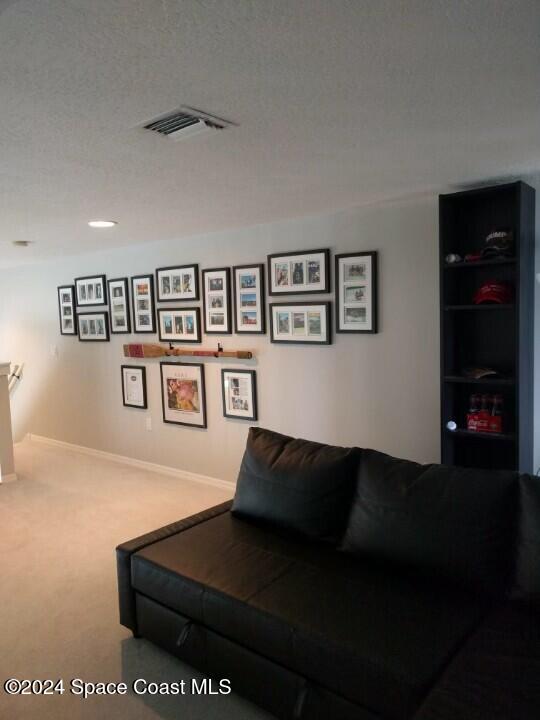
<point>495,336</point>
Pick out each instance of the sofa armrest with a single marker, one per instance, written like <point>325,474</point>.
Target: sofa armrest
<point>126,595</point>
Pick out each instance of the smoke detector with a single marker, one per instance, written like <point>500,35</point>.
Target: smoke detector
<point>186,122</point>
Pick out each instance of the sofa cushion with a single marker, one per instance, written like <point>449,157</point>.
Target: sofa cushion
<point>528,547</point>
<point>376,638</point>
<point>298,485</point>
<point>455,523</point>
<point>495,676</point>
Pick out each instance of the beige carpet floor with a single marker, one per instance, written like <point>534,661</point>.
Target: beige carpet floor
<point>59,525</point>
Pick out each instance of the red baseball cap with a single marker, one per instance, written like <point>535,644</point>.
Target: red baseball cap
<point>493,292</point>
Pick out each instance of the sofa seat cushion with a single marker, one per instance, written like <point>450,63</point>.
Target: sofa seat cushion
<point>375,638</point>
<point>454,523</point>
<point>495,676</point>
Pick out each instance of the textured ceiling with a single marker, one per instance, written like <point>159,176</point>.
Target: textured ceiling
<point>338,103</point>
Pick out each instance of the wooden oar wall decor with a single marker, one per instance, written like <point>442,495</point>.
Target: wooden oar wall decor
<point>152,350</point>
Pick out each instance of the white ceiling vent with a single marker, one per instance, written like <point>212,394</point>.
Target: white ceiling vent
<point>186,122</point>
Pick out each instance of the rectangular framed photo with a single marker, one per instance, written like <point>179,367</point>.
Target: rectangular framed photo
<point>119,305</point>
<point>356,290</point>
<point>300,323</point>
<point>93,326</point>
<point>249,311</point>
<point>66,310</point>
<point>134,386</point>
<point>179,282</point>
<point>299,272</point>
<point>181,325</point>
<point>217,301</point>
<point>183,393</point>
<point>142,298</point>
<point>239,388</point>
<point>91,290</point>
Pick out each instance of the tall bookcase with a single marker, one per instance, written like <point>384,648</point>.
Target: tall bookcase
<point>498,336</point>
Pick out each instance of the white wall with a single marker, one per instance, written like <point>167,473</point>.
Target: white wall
<point>378,391</point>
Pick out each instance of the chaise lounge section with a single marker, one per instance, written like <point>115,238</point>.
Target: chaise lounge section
<point>346,583</point>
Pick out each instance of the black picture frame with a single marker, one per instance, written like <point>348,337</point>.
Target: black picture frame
<point>296,339</point>
<point>373,295</point>
<point>202,425</point>
<point>253,380</point>
<point>324,285</point>
<point>166,338</point>
<point>81,325</point>
<point>151,312</point>
<point>63,289</point>
<point>227,298</point>
<point>125,284</point>
<point>85,282</point>
<point>238,328</point>
<point>142,370</point>
<point>194,267</point>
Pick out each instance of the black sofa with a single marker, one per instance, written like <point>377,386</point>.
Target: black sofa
<point>345,584</point>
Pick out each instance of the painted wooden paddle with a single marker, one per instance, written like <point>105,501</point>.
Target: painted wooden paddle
<point>151,350</point>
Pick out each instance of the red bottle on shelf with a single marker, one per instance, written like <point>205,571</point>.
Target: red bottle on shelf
<point>496,419</point>
<point>479,415</point>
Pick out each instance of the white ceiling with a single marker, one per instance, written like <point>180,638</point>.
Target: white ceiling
<point>339,103</point>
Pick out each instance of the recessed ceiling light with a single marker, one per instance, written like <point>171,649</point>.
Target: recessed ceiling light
<point>102,223</point>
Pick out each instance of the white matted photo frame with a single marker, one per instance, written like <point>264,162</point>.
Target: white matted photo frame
<point>180,325</point>
<point>142,298</point>
<point>299,272</point>
<point>66,310</point>
<point>356,292</point>
<point>217,301</point>
<point>119,305</point>
<point>93,326</point>
<point>239,390</point>
<point>305,323</point>
<point>177,283</point>
<point>183,393</point>
<point>134,386</point>
<point>90,290</point>
<point>249,299</point>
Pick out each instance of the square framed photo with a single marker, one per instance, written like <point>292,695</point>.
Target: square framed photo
<point>239,388</point>
<point>356,289</point>
<point>93,326</point>
<point>142,298</point>
<point>181,325</point>
<point>91,290</point>
<point>179,282</point>
<point>300,323</point>
<point>183,393</point>
<point>119,305</point>
<point>298,272</point>
<point>249,311</point>
<point>134,386</point>
<point>66,310</point>
<point>217,301</point>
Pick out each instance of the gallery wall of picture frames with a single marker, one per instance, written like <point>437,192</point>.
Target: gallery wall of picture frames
<point>233,300</point>
<point>227,300</point>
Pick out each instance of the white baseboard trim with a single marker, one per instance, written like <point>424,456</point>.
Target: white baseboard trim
<point>8,478</point>
<point>134,462</point>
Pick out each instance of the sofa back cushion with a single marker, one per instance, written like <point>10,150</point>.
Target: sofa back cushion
<point>455,523</point>
<point>298,485</point>
<point>528,545</point>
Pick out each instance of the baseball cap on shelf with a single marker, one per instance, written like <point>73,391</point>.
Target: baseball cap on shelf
<point>499,243</point>
<point>493,292</point>
<point>477,373</point>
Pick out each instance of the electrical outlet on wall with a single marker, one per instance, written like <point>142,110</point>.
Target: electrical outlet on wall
<point>149,423</point>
